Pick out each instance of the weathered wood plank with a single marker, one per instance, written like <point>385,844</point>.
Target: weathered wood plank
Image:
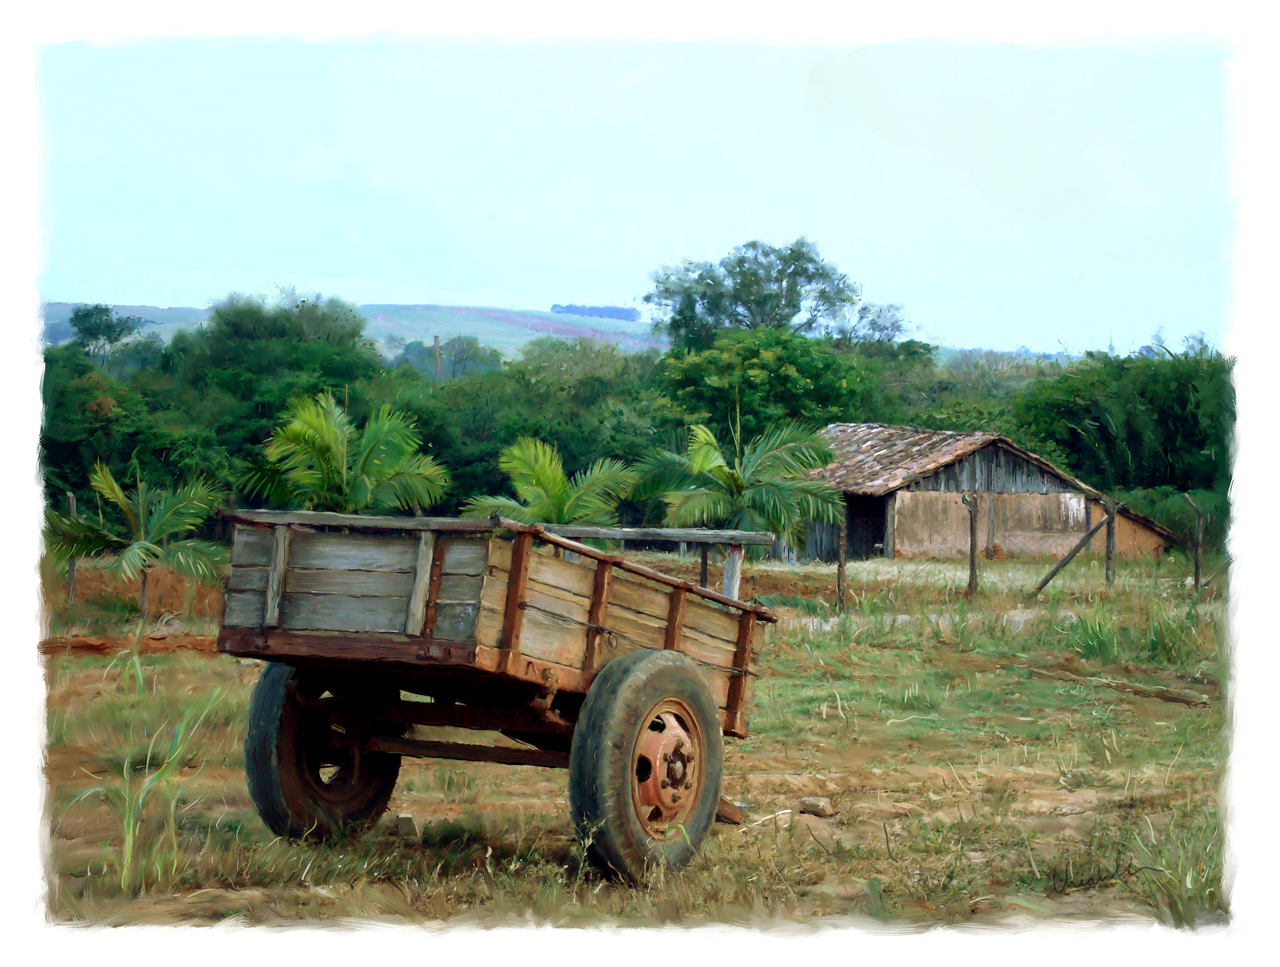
<point>639,596</point>
<point>577,578</point>
<point>251,547</point>
<point>513,614</point>
<point>466,555</point>
<point>342,612</point>
<point>455,621</point>
<point>597,613</point>
<point>416,615</point>
<point>433,586</point>
<point>460,587</point>
<point>397,584</point>
<point>275,580</point>
<point>688,535</point>
<point>247,578</point>
<point>244,609</point>
<point>732,571</point>
<point>711,621</point>
<point>547,638</point>
<point>675,620</point>
<point>313,518</point>
<point>489,624</point>
<point>736,702</point>
<point>365,646</point>
<point>353,552</point>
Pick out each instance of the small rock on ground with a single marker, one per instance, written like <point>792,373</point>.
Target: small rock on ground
<point>406,825</point>
<point>817,806</point>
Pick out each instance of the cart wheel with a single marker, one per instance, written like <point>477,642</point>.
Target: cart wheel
<point>303,782</point>
<point>644,769</point>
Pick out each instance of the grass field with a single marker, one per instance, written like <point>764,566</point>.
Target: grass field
<point>984,760</point>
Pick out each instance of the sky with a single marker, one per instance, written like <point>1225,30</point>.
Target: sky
<point>1050,197</point>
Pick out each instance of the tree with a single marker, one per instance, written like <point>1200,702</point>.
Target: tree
<point>319,459</point>
<point>756,286</point>
<point>765,485</point>
<point>753,379</point>
<point>546,495</point>
<point>151,517</point>
<point>98,328</point>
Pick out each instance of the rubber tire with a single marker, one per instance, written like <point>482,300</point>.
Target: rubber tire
<point>600,762</point>
<point>278,784</point>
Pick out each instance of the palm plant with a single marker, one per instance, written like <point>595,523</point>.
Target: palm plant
<point>152,516</point>
<point>545,495</point>
<point>765,485</point>
<point>320,460</point>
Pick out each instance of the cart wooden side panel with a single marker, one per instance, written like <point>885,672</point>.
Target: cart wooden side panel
<point>429,596</point>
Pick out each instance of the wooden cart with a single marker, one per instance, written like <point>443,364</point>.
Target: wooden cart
<point>624,675</point>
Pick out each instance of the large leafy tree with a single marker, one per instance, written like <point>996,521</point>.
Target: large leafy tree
<point>764,485</point>
<point>756,286</point>
<point>151,517</point>
<point>319,459</point>
<point>98,328</point>
<point>753,379</point>
<point>545,494</point>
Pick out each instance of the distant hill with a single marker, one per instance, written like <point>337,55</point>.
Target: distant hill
<point>503,329</point>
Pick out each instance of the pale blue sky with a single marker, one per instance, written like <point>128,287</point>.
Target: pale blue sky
<point>1004,195</point>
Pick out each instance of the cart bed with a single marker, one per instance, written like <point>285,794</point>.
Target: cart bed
<point>452,594</point>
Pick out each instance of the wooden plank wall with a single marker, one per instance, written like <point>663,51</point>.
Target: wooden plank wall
<point>359,583</point>
<point>556,623</point>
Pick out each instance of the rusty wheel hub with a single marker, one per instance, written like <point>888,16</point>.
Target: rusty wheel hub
<point>667,769</point>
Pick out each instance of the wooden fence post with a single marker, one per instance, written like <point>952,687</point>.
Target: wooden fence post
<point>71,562</point>
<point>1199,537</point>
<point>732,571</point>
<point>1044,581</point>
<point>702,575</point>
<point>1111,542</point>
<point>971,502</point>
<point>844,526</point>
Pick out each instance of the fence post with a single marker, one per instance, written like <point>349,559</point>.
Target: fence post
<point>71,561</point>
<point>732,570</point>
<point>1199,537</point>
<point>1111,541</point>
<point>702,577</point>
<point>971,502</point>
<point>844,525</point>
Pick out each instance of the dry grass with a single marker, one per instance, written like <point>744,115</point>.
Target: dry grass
<point>965,786</point>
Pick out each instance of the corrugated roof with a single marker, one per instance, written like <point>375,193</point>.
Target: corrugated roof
<point>875,459</point>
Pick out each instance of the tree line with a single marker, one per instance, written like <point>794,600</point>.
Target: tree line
<point>766,338</point>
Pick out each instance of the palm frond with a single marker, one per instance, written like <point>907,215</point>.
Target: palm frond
<point>388,439</point>
<point>502,506</point>
<point>67,537</point>
<point>199,561</point>
<point>130,562</point>
<point>183,509</point>
<point>417,479</point>
<point>266,480</point>
<point>663,472</point>
<point>690,507</point>
<point>595,492</point>
<point>102,482</point>
<point>704,451</point>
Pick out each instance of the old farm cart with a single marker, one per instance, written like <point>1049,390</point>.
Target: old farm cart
<point>626,676</point>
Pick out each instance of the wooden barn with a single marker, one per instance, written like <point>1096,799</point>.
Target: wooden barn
<point>903,487</point>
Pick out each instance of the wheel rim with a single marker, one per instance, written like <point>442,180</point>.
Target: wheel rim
<point>332,765</point>
<point>667,769</point>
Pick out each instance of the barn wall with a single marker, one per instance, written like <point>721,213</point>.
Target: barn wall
<point>936,524</point>
<point>995,469</point>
